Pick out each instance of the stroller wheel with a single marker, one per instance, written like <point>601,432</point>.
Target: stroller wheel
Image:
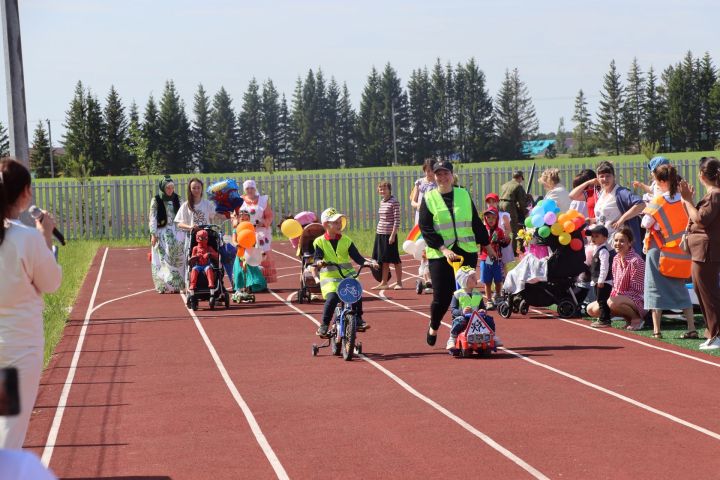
<point>504,309</point>
<point>566,308</point>
<point>227,300</point>
<point>301,295</point>
<point>212,302</point>
<point>524,307</point>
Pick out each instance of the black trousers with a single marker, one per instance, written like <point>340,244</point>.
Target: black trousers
<point>602,295</point>
<point>331,301</point>
<point>442,277</point>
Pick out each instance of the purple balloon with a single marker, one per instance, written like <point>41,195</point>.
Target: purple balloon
<point>550,218</point>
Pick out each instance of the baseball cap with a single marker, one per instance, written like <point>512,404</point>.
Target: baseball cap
<point>597,228</point>
<point>330,215</point>
<point>656,162</point>
<point>463,274</point>
<point>492,210</point>
<point>442,165</point>
<point>492,196</point>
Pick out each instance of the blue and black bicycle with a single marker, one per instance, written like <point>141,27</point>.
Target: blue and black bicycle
<point>342,334</point>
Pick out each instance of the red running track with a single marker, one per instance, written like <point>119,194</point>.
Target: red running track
<point>160,393</point>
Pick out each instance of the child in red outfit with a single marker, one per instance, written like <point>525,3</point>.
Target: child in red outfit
<point>200,259</point>
<point>491,269</point>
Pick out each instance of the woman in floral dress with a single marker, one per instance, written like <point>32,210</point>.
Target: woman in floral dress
<point>168,258</point>
<point>261,216</point>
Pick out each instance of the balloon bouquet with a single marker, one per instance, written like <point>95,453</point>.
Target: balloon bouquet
<point>548,226</point>
<point>248,278</point>
<point>225,195</point>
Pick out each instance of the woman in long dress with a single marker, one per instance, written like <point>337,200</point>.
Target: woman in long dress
<point>261,216</point>
<point>168,258</point>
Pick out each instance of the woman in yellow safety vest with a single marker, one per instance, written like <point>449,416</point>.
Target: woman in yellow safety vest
<point>667,266</point>
<point>451,227</point>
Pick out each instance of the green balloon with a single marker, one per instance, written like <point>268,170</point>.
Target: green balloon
<point>528,222</point>
<point>544,231</point>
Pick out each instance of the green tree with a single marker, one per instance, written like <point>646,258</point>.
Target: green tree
<point>4,141</point>
<point>223,134</point>
<point>582,133</point>
<point>561,136</point>
<point>332,124</point>
<point>610,115</point>
<point>75,138</point>
<point>421,116</point>
<point>371,149</point>
<point>653,111</point>
<point>299,126</point>
<point>706,80</point>
<point>136,145</point>
<point>633,108</point>
<point>284,157</point>
<point>474,113</point>
<point>250,125</point>
<point>175,149</point>
<point>441,101</point>
<point>347,131</point>
<point>715,113</point>
<point>116,135</point>
<point>270,121</point>
<point>201,124</point>
<point>151,132</point>
<point>515,119</point>
<point>394,102</point>
<point>40,156</point>
<point>680,84</point>
<point>95,136</point>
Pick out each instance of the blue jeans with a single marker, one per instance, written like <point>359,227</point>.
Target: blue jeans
<point>460,323</point>
<point>227,257</point>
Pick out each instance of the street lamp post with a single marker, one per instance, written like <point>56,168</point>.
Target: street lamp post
<point>52,160</point>
<point>392,109</point>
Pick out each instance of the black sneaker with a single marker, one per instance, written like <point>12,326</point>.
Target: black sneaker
<point>360,325</point>
<point>322,331</point>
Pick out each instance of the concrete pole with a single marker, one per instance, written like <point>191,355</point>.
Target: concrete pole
<point>17,116</point>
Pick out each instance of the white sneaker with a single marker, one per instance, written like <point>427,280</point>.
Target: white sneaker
<point>713,344</point>
<point>450,345</point>
<point>704,344</point>
<point>498,342</point>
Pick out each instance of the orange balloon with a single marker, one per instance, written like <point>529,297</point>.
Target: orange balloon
<point>246,238</point>
<point>240,252</point>
<point>569,226</point>
<point>244,225</point>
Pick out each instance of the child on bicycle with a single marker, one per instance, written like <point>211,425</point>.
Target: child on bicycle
<point>334,247</point>
<point>466,300</point>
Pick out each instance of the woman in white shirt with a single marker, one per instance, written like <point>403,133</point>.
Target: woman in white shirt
<point>28,269</point>
<point>550,180</point>
<point>200,211</point>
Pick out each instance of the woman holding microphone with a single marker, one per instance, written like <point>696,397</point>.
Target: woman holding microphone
<point>28,269</point>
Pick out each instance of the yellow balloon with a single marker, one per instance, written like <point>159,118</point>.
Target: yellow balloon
<point>564,238</point>
<point>343,223</point>
<point>556,228</point>
<point>291,228</point>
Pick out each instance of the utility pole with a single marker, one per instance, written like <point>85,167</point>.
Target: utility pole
<point>392,109</point>
<point>17,116</point>
<point>52,160</point>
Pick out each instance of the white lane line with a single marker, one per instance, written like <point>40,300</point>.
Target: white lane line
<point>254,426</point>
<point>629,339</point>
<point>465,425</point>
<point>62,403</point>
<point>121,298</point>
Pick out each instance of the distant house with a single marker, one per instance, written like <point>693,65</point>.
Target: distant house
<point>533,148</point>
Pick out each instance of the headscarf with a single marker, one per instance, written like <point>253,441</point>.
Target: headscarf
<point>167,179</point>
<point>463,274</point>
<point>250,184</point>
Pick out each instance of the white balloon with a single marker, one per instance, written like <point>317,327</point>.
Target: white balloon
<point>409,246</point>
<point>420,244</point>
<point>417,255</point>
<point>253,256</point>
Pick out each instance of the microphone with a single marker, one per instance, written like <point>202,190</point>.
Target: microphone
<point>37,214</point>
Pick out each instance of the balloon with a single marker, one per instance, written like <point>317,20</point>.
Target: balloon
<point>540,206</point>
<point>549,204</point>
<point>418,253</point>
<point>544,231</point>
<point>579,222</point>
<point>343,223</point>
<point>569,226</point>
<point>409,246</point>
<point>537,221</point>
<point>240,252</point>
<point>562,218</point>
<point>244,225</point>
<point>573,213</point>
<point>253,257</point>
<point>556,229</point>
<point>246,238</point>
<point>550,218</point>
<point>528,222</point>
<point>291,228</point>
<point>420,245</point>
<point>564,238</point>
<point>576,244</point>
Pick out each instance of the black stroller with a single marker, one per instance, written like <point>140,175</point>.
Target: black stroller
<point>306,251</point>
<point>218,294</point>
<point>563,288</point>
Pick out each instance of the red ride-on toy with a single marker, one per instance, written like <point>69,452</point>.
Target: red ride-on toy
<point>477,337</point>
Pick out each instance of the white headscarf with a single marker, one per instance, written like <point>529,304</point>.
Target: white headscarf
<point>463,274</point>
<point>249,184</point>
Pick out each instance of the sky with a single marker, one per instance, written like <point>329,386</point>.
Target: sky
<point>558,47</point>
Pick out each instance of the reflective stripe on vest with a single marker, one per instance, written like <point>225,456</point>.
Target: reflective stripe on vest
<point>467,300</point>
<point>330,276</point>
<point>460,232</point>
<point>672,219</point>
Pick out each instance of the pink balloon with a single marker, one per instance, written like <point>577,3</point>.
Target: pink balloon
<point>550,218</point>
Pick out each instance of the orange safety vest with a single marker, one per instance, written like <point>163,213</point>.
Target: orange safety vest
<point>672,219</point>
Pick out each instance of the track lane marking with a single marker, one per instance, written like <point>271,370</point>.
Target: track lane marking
<point>95,309</point>
<point>254,426</point>
<point>465,425</point>
<point>62,402</point>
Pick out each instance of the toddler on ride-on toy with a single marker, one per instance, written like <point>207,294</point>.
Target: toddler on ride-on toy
<point>333,247</point>
<point>467,300</point>
<point>200,260</point>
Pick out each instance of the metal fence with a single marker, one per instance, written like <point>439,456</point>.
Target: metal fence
<point>117,209</point>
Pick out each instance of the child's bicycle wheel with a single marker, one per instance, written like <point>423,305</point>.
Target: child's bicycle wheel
<point>348,337</point>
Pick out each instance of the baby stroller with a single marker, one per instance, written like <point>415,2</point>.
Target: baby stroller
<point>562,288</point>
<point>202,292</point>
<point>306,251</point>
